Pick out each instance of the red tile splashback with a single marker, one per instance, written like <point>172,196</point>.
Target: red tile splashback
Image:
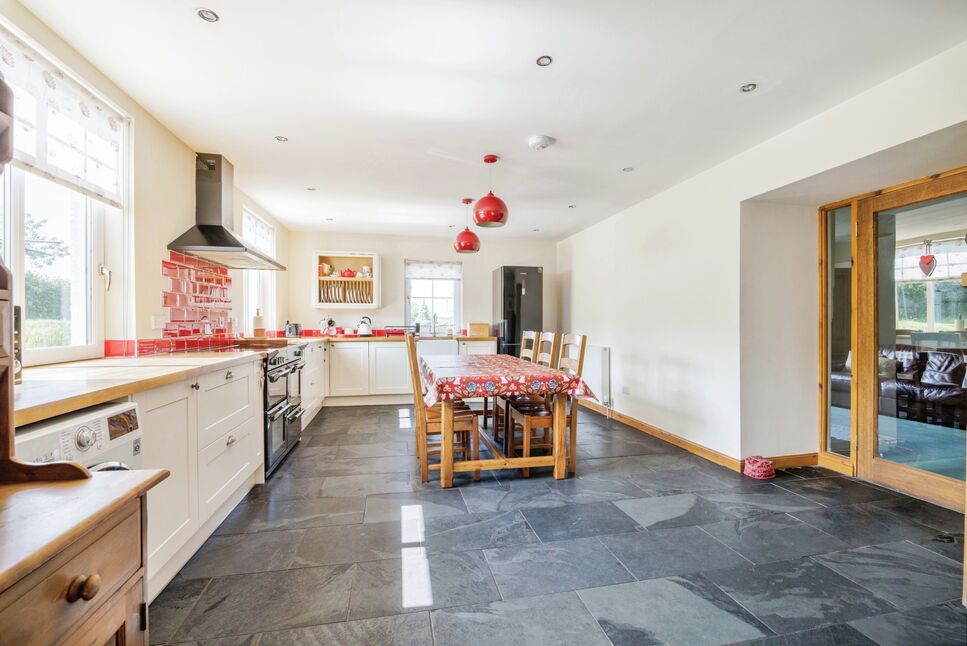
<point>197,298</point>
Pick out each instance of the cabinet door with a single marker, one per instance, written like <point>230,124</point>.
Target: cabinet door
<point>326,360</point>
<point>169,442</point>
<point>389,369</point>
<point>478,347</point>
<point>224,402</point>
<point>349,369</point>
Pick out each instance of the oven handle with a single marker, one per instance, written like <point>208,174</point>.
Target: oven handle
<point>278,411</point>
<point>277,375</point>
<point>295,414</point>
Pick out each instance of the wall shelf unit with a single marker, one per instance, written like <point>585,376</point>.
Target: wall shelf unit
<point>333,291</point>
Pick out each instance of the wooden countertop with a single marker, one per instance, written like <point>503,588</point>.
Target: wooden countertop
<point>398,339</point>
<point>48,391</point>
<point>40,519</point>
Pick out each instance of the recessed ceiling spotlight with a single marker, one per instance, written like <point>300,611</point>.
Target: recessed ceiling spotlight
<point>281,138</point>
<point>627,169</point>
<point>452,226</point>
<point>311,188</point>
<point>748,87</point>
<point>544,60</point>
<point>328,219</point>
<point>207,14</point>
<point>535,230</point>
<point>572,206</point>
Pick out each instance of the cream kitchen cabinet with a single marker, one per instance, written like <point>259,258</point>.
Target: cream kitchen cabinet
<point>314,380</point>
<point>478,347</point>
<point>389,368</point>
<point>349,369</point>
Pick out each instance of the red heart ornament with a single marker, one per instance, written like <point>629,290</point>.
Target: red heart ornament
<point>928,264</point>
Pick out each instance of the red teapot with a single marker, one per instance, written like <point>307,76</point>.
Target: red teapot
<point>348,273</point>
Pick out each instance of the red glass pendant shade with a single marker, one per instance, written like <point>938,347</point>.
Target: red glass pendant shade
<point>467,242</point>
<point>490,211</point>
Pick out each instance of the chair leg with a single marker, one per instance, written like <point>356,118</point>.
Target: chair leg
<point>572,456</point>
<point>475,439</point>
<point>421,450</point>
<point>486,400</point>
<point>527,445</point>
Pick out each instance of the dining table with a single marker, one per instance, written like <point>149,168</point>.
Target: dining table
<point>448,378</point>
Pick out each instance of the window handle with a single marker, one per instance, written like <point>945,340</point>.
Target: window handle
<point>104,271</point>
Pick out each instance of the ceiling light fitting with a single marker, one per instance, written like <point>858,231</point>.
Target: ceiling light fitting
<point>748,87</point>
<point>310,188</point>
<point>467,241</point>
<point>627,169</point>
<point>544,61</point>
<point>572,206</point>
<point>540,142</point>
<point>490,210</point>
<point>206,14</point>
<point>281,138</point>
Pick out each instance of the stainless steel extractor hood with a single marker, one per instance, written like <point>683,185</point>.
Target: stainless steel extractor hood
<point>212,238</point>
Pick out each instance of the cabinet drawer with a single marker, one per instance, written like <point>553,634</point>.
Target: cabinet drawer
<point>223,465</point>
<point>42,614</point>
<point>224,402</point>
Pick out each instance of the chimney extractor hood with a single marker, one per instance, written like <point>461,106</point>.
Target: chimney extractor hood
<point>211,238</point>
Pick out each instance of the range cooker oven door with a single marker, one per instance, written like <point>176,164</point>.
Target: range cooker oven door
<point>276,442</point>
<point>293,419</point>
<point>276,385</point>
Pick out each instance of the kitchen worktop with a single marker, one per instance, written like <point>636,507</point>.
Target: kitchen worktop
<point>398,339</point>
<point>39,519</point>
<point>48,391</point>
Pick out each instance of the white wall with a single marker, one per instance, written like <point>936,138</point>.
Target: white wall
<point>779,299</point>
<point>393,250</point>
<point>162,194</point>
<point>670,303</point>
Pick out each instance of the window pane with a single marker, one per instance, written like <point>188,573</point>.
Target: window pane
<point>443,308</point>
<point>421,288</point>
<point>421,311</point>
<point>838,327</point>
<point>57,267</point>
<point>443,288</point>
<point>911,305</point>
<point>950,301</point>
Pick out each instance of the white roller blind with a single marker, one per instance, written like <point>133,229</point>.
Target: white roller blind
<point>61,129</point>
<point>433,269</point>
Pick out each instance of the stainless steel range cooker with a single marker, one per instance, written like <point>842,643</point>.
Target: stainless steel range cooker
<point>282,396</point>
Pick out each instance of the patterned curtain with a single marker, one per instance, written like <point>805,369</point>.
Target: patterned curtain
<point>433,269</point>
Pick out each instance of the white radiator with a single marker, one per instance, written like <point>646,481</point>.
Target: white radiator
<point>597,372</point>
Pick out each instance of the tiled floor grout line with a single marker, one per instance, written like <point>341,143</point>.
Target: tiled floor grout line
<point>714,538</point>
<point>577,594</point>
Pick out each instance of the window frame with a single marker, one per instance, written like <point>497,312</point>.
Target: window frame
<point>457,301</point>
<point>264,278</point>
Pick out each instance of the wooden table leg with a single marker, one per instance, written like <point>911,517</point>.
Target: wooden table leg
<point>559,446</point>
<point>508,429</point>
<point>446,450</point>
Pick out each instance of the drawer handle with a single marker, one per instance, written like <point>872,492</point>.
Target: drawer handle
<point>229,375</point>
<point>195,386</point>
<point>231,440</point>
<point>83,587</point>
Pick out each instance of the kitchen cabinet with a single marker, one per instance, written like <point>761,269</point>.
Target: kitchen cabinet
<point>426,347</point>
<point>478,347</point>
<point>389,369</point>
<point>224,402</point>
<point>349,369</point>
<point>223,466</point>
<point>314,378</point>
<point>359,291</point>
<point>169,441</point>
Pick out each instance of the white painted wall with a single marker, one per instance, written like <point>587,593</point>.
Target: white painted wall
<point>670,306</point>
<point>779,310</point>
<point>162,195</point>
<point>393,250</point>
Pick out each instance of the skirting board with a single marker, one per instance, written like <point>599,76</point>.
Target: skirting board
<point>368,400</point>
<point>780,461</point>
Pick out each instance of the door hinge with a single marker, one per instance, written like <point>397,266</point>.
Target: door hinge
<point>144,616</point>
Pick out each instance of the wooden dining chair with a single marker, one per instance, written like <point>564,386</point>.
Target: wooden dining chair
<point>528,352</point>
<point>534,416</point>
<point>545,352</point>
<point>429,421</point>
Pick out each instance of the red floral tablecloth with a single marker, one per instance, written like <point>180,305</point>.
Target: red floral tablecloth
<point>457,376</point>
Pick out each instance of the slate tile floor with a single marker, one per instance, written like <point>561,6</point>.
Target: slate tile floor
<point>648,545</point>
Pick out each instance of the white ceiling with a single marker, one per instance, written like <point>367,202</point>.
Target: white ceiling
<point>389,105</point>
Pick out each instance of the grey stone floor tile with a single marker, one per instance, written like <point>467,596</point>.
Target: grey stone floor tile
<point>350,544</point>
<point>949,545</point>
<point>286,489</point>
<point>777,537</point>
<point>248,603</point>
<point>532,570</point>
<point>791,596</point>
<point>662,482</point>
<point>675,610</point>
<point>375,450</point>
<point>835,635</point>
<point>578,521</point>
<point>552,619</point>
<point>421,504</point>
<point>244,553</point>
<point>837,491</point>
<point>170,608</point>
<point>809,472</point>
<point>904,574</point>
<point>517,494</point>
<point>864,524</point>
<point>420,581</point>
<point>668,552</point>
<point>292,514</point>
<point>746,501</point>
<point>351,467</point>
<point>411,629</point>
<point>477,532</point>
<point>367,485</point>
<point>925,513</point>
<point>591,488</point>
<point>940,625</point>
<point>679,510</point>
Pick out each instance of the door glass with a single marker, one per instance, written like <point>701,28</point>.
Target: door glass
<point>922,347</point>
<point>838,330</point>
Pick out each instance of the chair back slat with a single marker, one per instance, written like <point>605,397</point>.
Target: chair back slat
<point>547,349</point>
<point>528,345</point>
<point>571,358</point>
<point>418,405</point>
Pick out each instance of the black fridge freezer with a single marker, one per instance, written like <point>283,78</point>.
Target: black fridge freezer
<point>518,305</point>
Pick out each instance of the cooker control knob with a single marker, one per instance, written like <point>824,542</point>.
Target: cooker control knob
<point>84,438</point>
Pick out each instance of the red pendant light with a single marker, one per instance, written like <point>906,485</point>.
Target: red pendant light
<point>467,240</point>
<point>490,210</point>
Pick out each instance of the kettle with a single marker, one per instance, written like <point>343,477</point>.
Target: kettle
<point>365,327</point>
<point>293,329</point>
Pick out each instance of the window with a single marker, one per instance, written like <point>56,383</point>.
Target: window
<point>931,303</point>
<point>65,182</point>
<point>259,285</point>
<point>434,293</point>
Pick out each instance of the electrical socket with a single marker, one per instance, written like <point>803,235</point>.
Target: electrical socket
<point>158,322</point>
<point>625,390</point>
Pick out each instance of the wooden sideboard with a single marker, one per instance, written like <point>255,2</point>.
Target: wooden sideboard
<point>72,557</point>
